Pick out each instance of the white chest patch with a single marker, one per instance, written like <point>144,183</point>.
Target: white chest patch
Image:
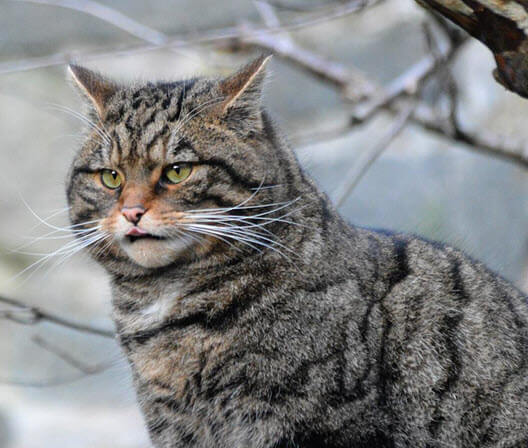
<point>161,308</point>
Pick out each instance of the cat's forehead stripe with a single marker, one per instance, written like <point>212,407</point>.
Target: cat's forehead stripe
<point>144,118</point>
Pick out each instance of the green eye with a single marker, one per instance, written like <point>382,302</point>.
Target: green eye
<point>111,179</point>
<point>177,173</point>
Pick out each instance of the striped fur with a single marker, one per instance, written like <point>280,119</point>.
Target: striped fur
<point>326,336</point>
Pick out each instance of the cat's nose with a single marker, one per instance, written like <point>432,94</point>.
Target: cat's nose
<point>133,214</point>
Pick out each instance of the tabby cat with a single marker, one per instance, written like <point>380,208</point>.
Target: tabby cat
<point>253,315</point>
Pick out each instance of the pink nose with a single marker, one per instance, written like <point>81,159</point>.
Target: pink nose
<point>133,214</point>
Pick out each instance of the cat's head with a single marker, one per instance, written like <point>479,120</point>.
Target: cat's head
<point>172,170</point>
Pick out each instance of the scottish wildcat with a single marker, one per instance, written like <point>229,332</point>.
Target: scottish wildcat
<point>253,316</point>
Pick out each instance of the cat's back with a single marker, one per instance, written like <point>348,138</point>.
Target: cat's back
<point>453,344</point>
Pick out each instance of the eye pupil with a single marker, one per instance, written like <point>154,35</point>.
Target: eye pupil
<point>176,168</point>
<point>114,174</point>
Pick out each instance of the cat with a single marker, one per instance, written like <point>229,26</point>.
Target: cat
<point>253,315</point>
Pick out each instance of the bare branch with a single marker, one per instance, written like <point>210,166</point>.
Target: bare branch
<point>483,142</point>
<point>352,83</point>
<point>360,168</point>
<point>52,382</point>
<point>267,12</point>
<point>29,315</point>
<point>299,7</point>
<point>110,15</point>
<point>83,368</point>
<point>68,358</point>
<point>63,58</point>
<point>501,26</point>
<point>408,82</point>
<point>214,36</point>
<point>113,17</point>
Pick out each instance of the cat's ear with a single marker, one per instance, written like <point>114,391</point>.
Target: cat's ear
<point>95,87</point>
<point>243,90</point>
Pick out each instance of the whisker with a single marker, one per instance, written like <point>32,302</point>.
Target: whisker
<point>219,236</point>
<point>188,236</point>
<point>253,234</point>
<point>72,247</point>
<point>77,114</point>
<point>64,247</point>
<point>196,111</point>
<point>249,219</point>
<point>53,214</point>
<point>66,256</point>
<point>49,236</point>
<point>219,210</point>
<point>267,187</point>
<point>102,133</point>
<point>51,226</point>
<point>104,247</point>
<point>242,236</point>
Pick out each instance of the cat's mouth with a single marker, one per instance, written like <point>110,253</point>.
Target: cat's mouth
<point>135,233</point>
<point>149,250</point>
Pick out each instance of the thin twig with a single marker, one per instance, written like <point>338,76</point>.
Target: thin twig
<point>360,168</point>
<point>69,359</point>
<point>213,36</point>
<point>113,17</point>
<point>52,382</point>
<point>84,369</point>
<point>300,7</point>
<point>351,82</point>
<point>31,315</point>
<point>407,83</point>
<point>482,142</point>
<point>110,15</point>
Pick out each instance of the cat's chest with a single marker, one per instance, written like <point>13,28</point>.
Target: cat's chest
<point>170,355</point>
<point>179,363</point>
<point>142,307</point>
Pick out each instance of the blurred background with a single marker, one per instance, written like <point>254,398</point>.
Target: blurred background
<point>393,112</point>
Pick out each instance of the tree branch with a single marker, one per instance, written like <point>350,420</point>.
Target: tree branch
<point>360,168</point>
<point>69,359</point>
<point>29,315</point>
<point>409,81</point>
<point>213,36</point>
<point>501,147</point>
<point>109,15</point>
<point>352,83</point>
<point>501,26</point>
<point>84,369</point>
<point>483,142</point>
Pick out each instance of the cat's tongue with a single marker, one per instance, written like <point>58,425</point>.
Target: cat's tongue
<point>136,231</point>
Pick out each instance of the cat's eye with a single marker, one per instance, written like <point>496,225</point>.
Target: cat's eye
<point>111,179</point>
<point>177,173</point>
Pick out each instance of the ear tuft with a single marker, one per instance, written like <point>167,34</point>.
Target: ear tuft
<point>245,86</point>
<point>97,88</point>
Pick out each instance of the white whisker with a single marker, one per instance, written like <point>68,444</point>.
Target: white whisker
<point>70,248</point>
<point>51,226</point>
<point>220,236</point>
<point>244,236</point>
<point>101,131</point>
<point>62,248</point>
<point>52,236</point>
<point>267,187</point>
<point>196,111</point>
